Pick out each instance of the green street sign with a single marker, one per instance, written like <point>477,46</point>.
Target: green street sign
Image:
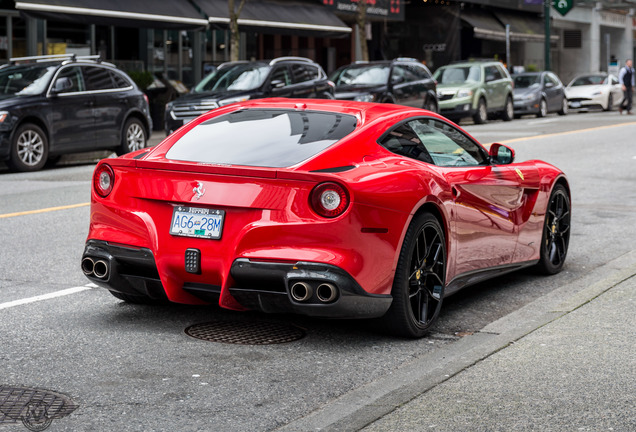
<point>563,6</point>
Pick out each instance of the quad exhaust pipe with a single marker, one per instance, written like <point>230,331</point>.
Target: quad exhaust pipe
<point>326,292</point>
<point>96,268</point>
<point>303,291</point>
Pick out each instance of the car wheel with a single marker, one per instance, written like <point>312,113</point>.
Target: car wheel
<point>418,287</point>
<point>481,116</point>
<point>134,137</point>
<point>430,105</point>
<point>543,108</point>
<point>564,106</point>
<point>509,110</point>
<point>140,299</point>
<point>29,149</point>
<point>610,103</point>
<point>556,232</point>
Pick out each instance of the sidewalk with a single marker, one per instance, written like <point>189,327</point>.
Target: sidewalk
<point>565,362</point>
<point>577,373</point>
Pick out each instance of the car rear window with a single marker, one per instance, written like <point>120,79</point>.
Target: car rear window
<point>262,137</point>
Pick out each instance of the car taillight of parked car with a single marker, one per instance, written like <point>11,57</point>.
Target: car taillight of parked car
<point>329,199</point>
<point>103,180</point>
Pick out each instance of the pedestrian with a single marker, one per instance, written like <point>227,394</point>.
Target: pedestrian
<point>626,79</point>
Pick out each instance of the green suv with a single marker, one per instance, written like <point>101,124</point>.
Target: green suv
<point>474,89</point>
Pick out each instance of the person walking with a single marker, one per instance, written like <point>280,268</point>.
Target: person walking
<point>626,79</point>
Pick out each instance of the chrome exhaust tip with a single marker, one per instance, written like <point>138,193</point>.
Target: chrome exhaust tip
<point>326,292</point>
<point>301,291</point>
<point>100,269</point>
<point>88,266</point>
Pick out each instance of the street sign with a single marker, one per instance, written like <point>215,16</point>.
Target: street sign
<point>563,6</point>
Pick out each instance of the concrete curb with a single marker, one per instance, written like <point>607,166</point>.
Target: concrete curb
<point>368,403</point>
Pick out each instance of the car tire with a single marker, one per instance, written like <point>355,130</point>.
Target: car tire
<point>29,148</point>
<point>418,286</point>
<point>430,105</point>
<point>481,116</point>
<point>565,106</point>
<point>133,137</point>
<point>543,108</point>
<point>508,112</point>
<point>556,232</point>
<point>610,103</point>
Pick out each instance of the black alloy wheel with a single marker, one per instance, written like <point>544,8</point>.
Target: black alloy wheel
<point>556,232</point>
<point>418,287</point>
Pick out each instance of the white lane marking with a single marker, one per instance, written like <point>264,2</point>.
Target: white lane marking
<point>543,121</point>
<point>48,296</point>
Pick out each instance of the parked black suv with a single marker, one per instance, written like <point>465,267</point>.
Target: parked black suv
<point>403,81</point>
<point>294,77</point>
<point>54,105</point>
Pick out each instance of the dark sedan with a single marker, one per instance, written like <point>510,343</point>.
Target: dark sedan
<point>401,81</point>
<point>539,93</point>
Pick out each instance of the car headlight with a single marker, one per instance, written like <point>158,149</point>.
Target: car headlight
<point>464,93</point>
<point>596,93</point>
<point>368,97</point>
<point>233,100</point>
<point>4,115</point>
<point>530,96</point>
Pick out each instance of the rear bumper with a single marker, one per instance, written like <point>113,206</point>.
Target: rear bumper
<point>264,286</point>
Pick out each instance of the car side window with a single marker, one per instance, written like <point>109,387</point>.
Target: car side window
<point>492,73</point>
<point>303,73</point>
<point>405,142</point>
<point>281,74</point>
<point>74,74</point>
<point>119,80</point>
<point>420,71</point>
<point>98,78</point>
<point>446,145</point>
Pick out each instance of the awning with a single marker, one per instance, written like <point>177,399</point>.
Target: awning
<point>269,16</point>
<point>484,24</point>
<point>171,14</point>
<point>523,28</point>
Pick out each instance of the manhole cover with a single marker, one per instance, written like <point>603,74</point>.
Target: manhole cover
<point>245,333</point>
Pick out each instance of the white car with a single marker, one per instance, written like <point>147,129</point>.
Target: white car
<point>594,90</point>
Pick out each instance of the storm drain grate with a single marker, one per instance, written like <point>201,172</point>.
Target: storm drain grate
<point>245,333</point>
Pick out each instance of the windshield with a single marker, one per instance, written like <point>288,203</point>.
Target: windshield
<point>363,75</point>
<point>237,77</point>
<point>589,80</point>
<point>527,81</point>
<point>458,74</point>
<point>25,80</point>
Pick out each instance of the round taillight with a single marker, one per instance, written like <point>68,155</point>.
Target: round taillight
<point>103,180</point>
<point>329,199</point>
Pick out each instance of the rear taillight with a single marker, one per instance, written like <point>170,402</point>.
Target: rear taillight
<point>103,180</point>
<point>329,199</point>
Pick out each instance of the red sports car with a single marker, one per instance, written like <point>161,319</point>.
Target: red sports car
<point>324,208</point>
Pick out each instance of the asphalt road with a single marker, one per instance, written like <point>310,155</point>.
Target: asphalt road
<point>133,368</point>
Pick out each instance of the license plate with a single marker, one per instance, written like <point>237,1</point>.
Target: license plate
<point>197,222</point>
<point>575,104</point>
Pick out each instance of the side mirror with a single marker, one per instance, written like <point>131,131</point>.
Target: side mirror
<point>501,154</point>
<point>549,85</point>
<point>278,84</point>
<point>397,79</point>
<point>490,78</point>
<point>61,85</point>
